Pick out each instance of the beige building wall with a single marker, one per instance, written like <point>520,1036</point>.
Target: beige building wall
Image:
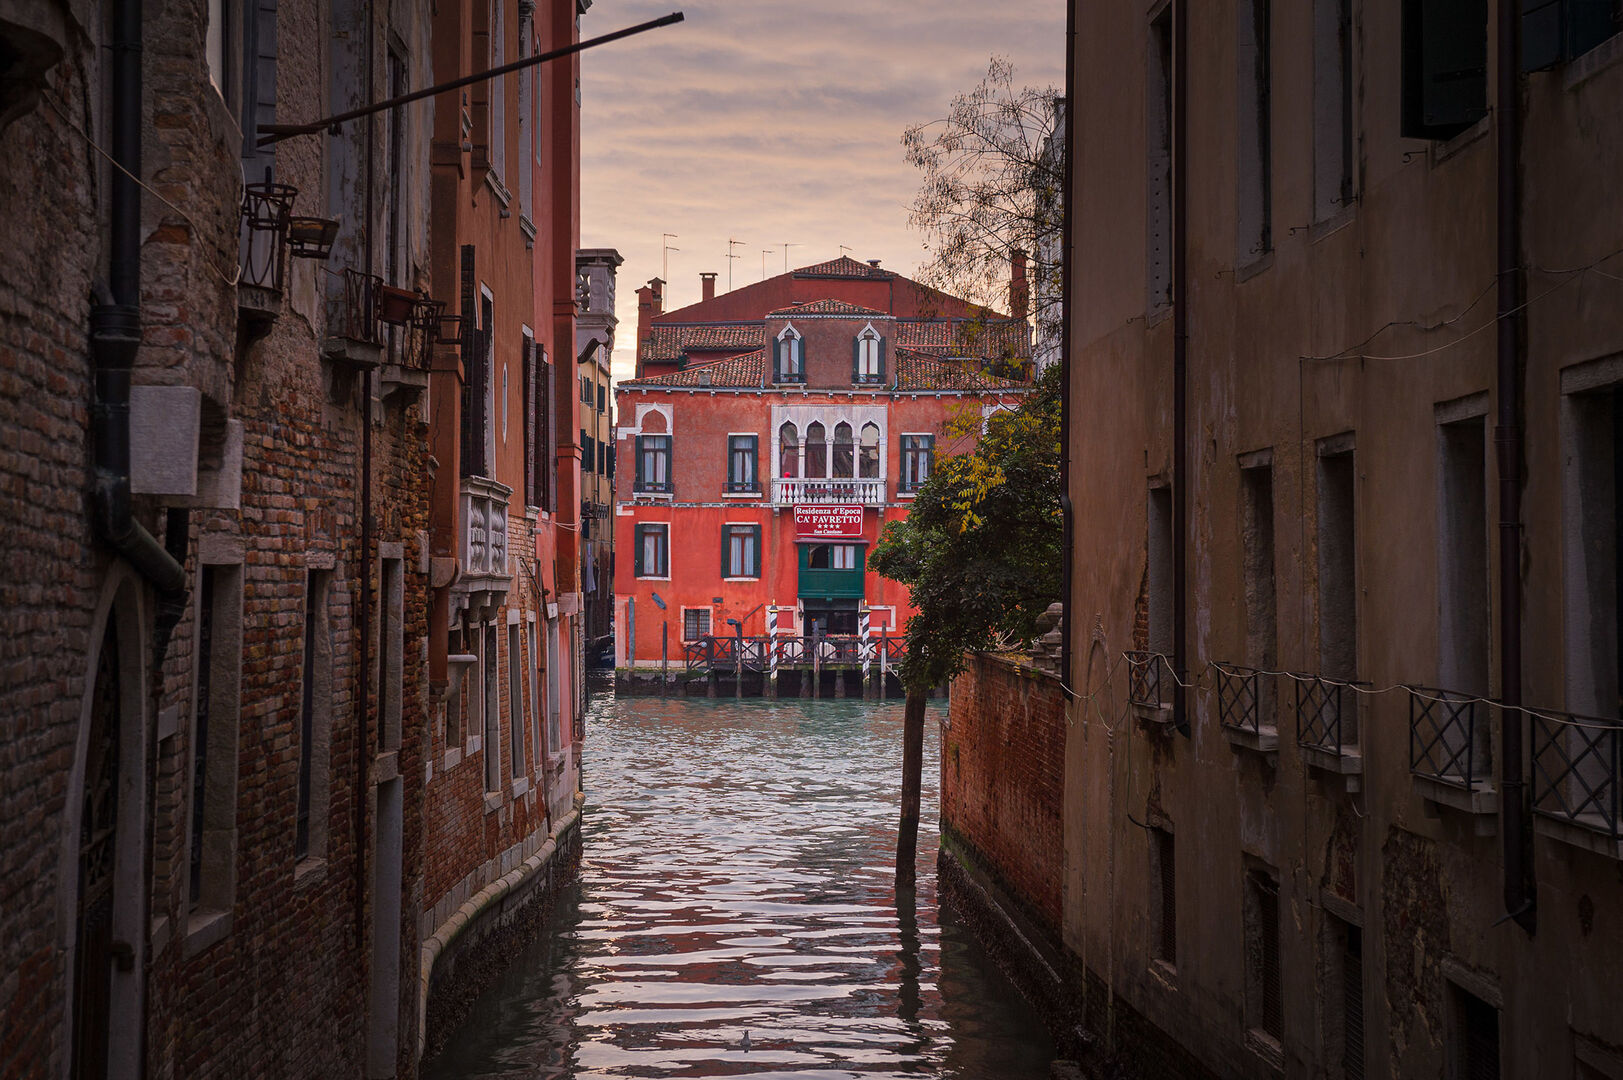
<point>1364,325</point>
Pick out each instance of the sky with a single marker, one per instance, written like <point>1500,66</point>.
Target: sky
<point>774,121</point>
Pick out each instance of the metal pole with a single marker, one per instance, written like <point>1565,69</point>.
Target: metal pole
<point>772,651</point>
<point>867,651</point>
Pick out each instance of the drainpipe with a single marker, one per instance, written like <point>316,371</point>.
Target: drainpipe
<point>1180,343</point>
<point>1515,831</point>
<point>1066,508</point>
<point>115,323</point>
<point>363,737</point>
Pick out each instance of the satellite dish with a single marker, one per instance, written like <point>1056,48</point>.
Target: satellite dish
<point>660,603</point>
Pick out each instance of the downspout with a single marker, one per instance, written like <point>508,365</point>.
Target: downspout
<point>1519,891</point>
<point>363,737</point>
<point>1067,510</point>
<point>1180,343</point>
<point>115,323</point>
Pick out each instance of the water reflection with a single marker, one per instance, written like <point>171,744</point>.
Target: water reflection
<point>736,915</point>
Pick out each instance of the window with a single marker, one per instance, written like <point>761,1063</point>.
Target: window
<point>515,698</point>
<point>695,623</point>
<point>653,463</point>
<point>1444,66</point>
<point>396,119</point>
<point>832,557</point>
<point>217,46</point>
<point>554,690</point>
<point>1333,152</point>
<point>1343,989</point>
<point>653,551</point>
<point>842,450</point>
<point>454,696</point>
<point>1158,163</point>
<point>1592,444</point>
<point>588,452</point>
<point>868,357</point>
<point>788,451</point>
<point>918,458</point>
<point>391,650</point>
<point>1338,586</point>
<point>602,398</point>
<point>1554,31</point>
<point>868,462</point>
<point>217,680</point>
<point>1163,898</point>
<point>816,451</point>
<point>1158,574</point>
<point>741,551</point>
<point>789,356</point>
<point>526,121</point>
<point>1257,542</point>
<point>1264,1000</point>
<point>585,388</point>
<point>490,684</point>
<point>527,387</point>
<point>1462,554</point>
<point>603,458</point>
<point>1473,1037</point>
<point>498,90</point>
<point>1255,107</point>
<point>741,453</point>
<point>546,459</point>
<point>535,689</point>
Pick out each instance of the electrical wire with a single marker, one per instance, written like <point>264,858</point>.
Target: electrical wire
<point>236,271</point>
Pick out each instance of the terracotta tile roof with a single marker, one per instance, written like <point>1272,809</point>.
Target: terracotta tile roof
<point>826,307</point>
<point>920,371</point>
<point>667,343</point>
<point>735,371</point>
<point>845,266</point>
<point>992,339</point>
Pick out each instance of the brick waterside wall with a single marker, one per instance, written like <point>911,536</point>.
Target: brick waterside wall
<point>1002,781</point>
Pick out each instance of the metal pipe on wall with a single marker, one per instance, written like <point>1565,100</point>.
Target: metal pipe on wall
<point>1180,360</point>
<point>1515,825</point>
<point>1067,510</point>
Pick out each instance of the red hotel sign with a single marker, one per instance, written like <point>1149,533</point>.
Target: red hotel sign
<point>835,522</point>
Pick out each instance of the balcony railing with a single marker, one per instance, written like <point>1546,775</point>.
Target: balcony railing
<point>1448,738</point>
<point>869,492</point>
<point>484,527</point>
<point>1326,714</point>
<point>1240,704</point>
<point>1576,775</point>
<point>722,652</point>
<point>1148,681</point>
<point>355,313</point>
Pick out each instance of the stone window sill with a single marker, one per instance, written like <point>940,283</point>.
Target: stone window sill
<point>493,801</point>
<point>453,758</point>
<point>1579,836</point>
<point>1266,1049</point>
<point>204,928</point>
<point>308,872</point>
<point>1480,800</point>
<point>1348,764</point>
<point>1264,741</point>
<point>520,787</point>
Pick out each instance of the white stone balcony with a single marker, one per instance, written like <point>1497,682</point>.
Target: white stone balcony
<point>838,490</point>
<point>482,549</point>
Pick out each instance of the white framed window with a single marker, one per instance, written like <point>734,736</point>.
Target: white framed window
<point>695,623</point>
<point>868,360</point>
<point>789,355</point>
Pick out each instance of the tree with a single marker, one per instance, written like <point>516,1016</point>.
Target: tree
<point>981,552</point>
<point>993,168</point>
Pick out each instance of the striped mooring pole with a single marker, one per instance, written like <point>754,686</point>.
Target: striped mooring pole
<point>772,644</point>
<point>865,627</point>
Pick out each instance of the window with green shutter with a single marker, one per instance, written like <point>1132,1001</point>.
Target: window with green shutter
<point>741,551</point>
<point>868,357</point>
<point>918,457</point>
<point>653,463</point>
<point>651,551</point>
<point>742,456</point>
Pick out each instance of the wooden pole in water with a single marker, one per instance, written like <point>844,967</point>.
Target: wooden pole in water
<point>907,832</point>
<point>664,656</point>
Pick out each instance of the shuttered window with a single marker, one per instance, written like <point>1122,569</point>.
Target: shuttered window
<point>1163,897</point>
<point>868,357</point>
<point>741,551</point>
<point>918,457</point>
<point>653,463</point>
<point>651,552</point>
<point>1445,67</point>
<point>742,453</point>
<point>1475,1051</point>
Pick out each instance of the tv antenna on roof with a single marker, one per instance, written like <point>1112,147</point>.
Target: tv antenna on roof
<point>764,253</point>
<point>845,249</point>
<point>730,258</point>
<point>666,249</point>
<point>786,246</point>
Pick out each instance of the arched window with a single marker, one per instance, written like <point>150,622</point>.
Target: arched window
<point>788,356</point>
<point>842,450</point>
<point>788,451</point>
<point>868,464</point>
<point>816,452</point>
<point>868,357</point>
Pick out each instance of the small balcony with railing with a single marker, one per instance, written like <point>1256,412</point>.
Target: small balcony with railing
<point>1577,779</point>
<point>1245,709</point>
<point>1150,688</point>
<point>482,523</point>
<point>1450,753</point>
<point>1327,726</point>
<point>792,491</point>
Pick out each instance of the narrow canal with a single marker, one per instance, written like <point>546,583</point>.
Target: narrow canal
<point>737,881</point>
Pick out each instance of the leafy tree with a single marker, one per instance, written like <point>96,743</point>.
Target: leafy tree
<point>993,172</point>
<point>981,552</point>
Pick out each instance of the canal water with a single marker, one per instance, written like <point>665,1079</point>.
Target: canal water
<point>736,916</point>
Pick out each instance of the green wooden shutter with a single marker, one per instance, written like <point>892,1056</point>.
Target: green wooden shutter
<point>726,551</point>
<point>755,560</point>
<point>636,550</point>
<point>881,360</point>
<point>856,359</point>
<point>636,463</point>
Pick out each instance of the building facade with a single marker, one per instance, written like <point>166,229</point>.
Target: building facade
<point>504,655</point>
<point>1341,773</point>
<point>594,349</point>
<point>257,485</point>
<point>752,487</point>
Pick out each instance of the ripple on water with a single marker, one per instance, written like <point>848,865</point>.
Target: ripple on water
<point>735,884</point>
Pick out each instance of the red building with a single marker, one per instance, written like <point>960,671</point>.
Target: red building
<point>771,434</point>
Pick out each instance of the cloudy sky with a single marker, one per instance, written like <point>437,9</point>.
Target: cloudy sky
<point>773,121</point>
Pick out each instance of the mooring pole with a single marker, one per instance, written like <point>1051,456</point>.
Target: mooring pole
<point>664,656</point>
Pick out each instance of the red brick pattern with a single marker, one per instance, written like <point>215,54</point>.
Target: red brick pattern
<point>1002,779</point>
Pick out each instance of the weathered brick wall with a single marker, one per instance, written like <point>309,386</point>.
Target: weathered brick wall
<point>1002,779</point>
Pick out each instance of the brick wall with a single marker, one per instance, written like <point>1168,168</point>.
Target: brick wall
<point>1002,780</point>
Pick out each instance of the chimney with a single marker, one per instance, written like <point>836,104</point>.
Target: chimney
<point>650,303</point>
<point>707,286</point>
<point>1019,289</point>
<point>873,262</point>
